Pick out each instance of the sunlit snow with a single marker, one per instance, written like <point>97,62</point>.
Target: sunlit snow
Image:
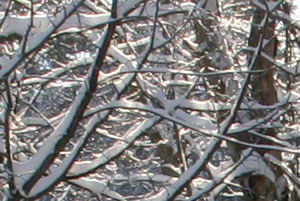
<point>296,13</point>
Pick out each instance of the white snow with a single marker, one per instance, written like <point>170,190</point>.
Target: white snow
<point>296,11</point>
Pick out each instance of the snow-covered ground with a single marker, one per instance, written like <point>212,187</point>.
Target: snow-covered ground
<point>296,11</point>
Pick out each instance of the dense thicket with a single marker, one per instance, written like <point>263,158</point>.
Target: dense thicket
<point>149,100</point>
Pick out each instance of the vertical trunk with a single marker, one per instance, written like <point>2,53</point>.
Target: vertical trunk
<point>263,86</point>
<point>264,92</point>
<point>263,83</point>
<point>263,89</point>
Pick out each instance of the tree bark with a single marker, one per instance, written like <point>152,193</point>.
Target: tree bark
<point>264,91</point>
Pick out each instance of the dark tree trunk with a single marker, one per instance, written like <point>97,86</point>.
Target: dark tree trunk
<point>263,86</point>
